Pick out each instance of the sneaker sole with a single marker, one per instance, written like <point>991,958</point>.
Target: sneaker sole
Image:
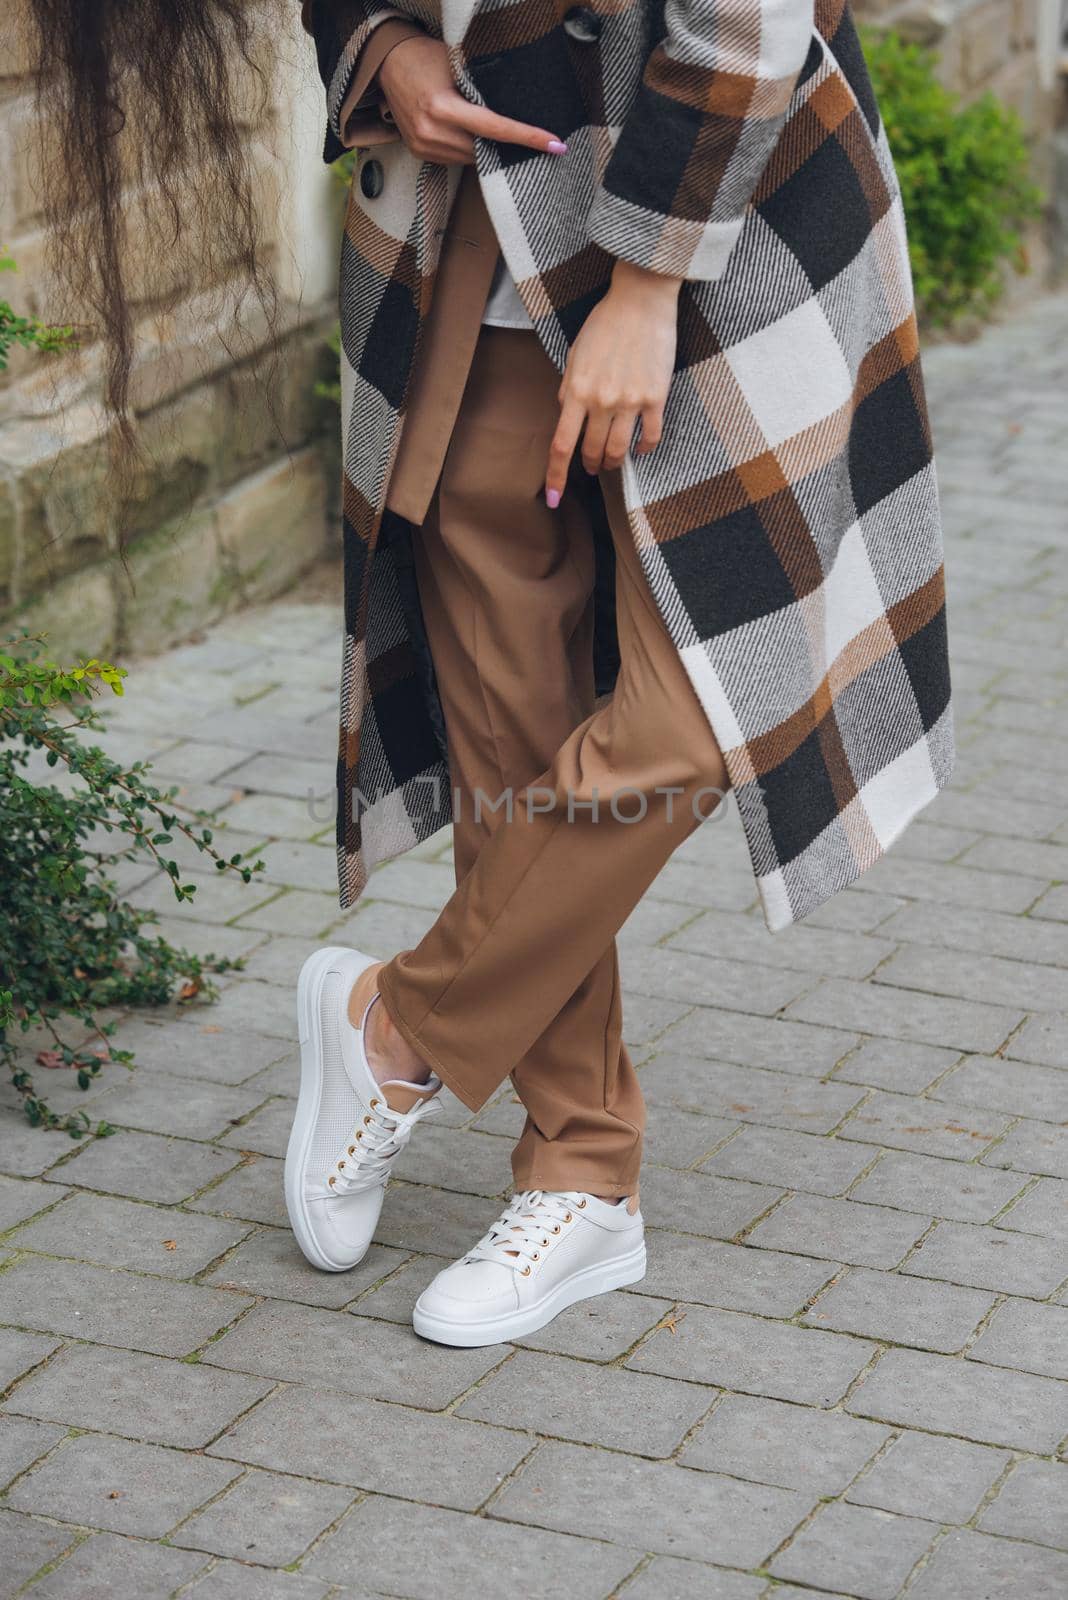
<point>580,1286</point>
<point>309,1026</point>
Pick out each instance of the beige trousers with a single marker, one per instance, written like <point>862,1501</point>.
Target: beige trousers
<point>582,807</point>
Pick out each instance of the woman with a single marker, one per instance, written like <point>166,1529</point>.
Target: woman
<point>624,286</point>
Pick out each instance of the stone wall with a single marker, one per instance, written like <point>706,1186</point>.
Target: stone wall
<point>236,493</point>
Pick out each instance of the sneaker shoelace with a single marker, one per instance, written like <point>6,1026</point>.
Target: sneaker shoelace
<point>374,1143</point>
<point>526,1228</point>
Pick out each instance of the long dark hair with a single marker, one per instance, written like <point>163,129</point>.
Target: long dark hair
<point>138,102</point>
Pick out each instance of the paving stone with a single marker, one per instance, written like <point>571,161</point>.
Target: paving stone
<point>734,1351</point>
<point>905,1014</point>
<point>122,1487</point>
<point>737,985</point>
<point>270,1263</point>
<point>991,1258</point>
<point>254,1192</point>
<point>922,1475</point>
<point>805,949</point>
<point>967,975</point>
<point>1014,1086</point>
<point>26,1152</point>
<point>599,1329</point>
<point>796,1447</point>
<point>961,1192</point>
<point>355,1354</point>
<point>426,1553</point>
<point>1033,1338</point>
<point>1042,1039</point>
<point>566,1399</point>
<point>121,1233</point>
<point>967,1565</point>
<point>693,1202</point>
<point>747,1094</point>
<point>27,1545</point>
<point>281,1078</point>
<point>946,883</point>
<point>227,1580</point>
<point>20,1199</point>
<point>666,1578</point>
<point>1033,1504</point>
<point>203,1049</point>
<point>19,1352</point>
<point>420,1219</point>
<point>245,1008</point>
<point>884,1305</point>
<point>450,1158</point>
<point>649,1505</point>
<point>985,932</point>
<point>266,1132</point>
<point>840,1230</point>
<point>735,1277</point>
<point>392,1299</point>
<point>268,1518</point>
<point>769,1042</point>
<point>1044,1209</point>
<point>140,1396</point>
<point>22,1443</point>
<point>790,1160</point>
<point>943,1394</point>
<point>927,1127</point>
<point>319,1433</point>
<point>147,1167</point>
<point>902,1066</point>
<point>679,1138</point>
<point>118,1308</point>
<point>1032,1147</point>
<point>150,1103</point>
<point>868,1553</point>
<point>110,1567</point>
<point>645,1018</point>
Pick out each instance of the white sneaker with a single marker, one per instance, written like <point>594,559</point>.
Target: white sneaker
<point>348,1128</point>
<point>544,1252</point>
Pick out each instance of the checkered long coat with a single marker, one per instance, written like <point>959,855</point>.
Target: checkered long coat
<point>788,522</point>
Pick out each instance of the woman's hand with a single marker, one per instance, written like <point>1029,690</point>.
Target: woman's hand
<point>619,370</point>
<point>434,119</point>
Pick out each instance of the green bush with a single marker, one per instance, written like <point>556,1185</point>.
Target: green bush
<point>965,182</point>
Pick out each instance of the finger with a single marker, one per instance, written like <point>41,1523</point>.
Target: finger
<point>594,439</point>
<point>619,436</point>
<point>652,430</point>
<point>488,125</point>
<point>562,448</point>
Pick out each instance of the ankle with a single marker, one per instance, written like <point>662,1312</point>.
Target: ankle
<point>389,1055</point>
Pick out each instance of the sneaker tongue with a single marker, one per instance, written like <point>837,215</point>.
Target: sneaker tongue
<point>401,1096</point>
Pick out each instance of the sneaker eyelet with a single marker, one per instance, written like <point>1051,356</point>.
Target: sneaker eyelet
<point>557,1228</point>
<point>537,1255</point>
<point>581,1205</point>
<point>525,1272</point>
<point>341,1166</point>
<point>352,1149</point>
<point>569,1218</point>
<point>359,1133</point>
<point>367,1122</point>
<point>331,1180</point>
<point>374,1107</point>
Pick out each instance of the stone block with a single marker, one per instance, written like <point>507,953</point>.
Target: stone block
<point>922,1475</point>
<point>140,1396</point>
<point>796,1447</point>
<point>122,1487</point>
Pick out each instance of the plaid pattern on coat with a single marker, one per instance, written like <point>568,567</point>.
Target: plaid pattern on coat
<point>788,522</point>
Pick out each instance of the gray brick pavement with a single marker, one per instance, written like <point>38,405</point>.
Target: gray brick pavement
<point>845,1372</point>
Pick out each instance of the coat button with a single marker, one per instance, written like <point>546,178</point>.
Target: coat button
<point>583,24</point>
<point>372,179</point>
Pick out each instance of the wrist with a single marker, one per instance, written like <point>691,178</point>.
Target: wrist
<point>632,280</point>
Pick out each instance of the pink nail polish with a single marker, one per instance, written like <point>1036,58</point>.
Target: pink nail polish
<point>557,147</point>
<point>552,498</point>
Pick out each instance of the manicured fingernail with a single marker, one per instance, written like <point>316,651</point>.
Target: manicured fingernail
<point>552,498</point>
<point>557,147</point>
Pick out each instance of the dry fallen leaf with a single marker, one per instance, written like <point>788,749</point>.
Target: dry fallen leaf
<point>672,1320</point>
<point>170,1244</point>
